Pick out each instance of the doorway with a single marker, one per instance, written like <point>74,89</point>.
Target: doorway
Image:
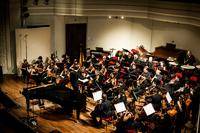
<point>75,39</point>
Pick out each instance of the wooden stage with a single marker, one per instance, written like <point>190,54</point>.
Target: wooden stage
<point>48,119</point>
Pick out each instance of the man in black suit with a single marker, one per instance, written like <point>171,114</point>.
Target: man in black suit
<point>76,95</point>
<point>102,110</point>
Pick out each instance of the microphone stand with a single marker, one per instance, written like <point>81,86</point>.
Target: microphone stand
<point>29,120</point>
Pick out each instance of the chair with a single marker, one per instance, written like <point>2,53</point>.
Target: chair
<point>107,120</point>
<point>188,127</point>
<point>132,131</point>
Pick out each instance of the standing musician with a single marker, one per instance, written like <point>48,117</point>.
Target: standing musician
<point>24,68</point>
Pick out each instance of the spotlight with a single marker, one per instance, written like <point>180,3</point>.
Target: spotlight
<point>109,17</point>
<point>122,17</point>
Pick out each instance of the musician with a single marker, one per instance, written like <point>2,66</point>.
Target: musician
<point>92,59</point>
<point>24,68</point>
<point>75,66</point>
<point>51,73</point>
<point>127,121</point>
<point>157,79</point>
<point>53,58</point>
<point>65,73</point>
<point>104,109</point>
<point>39,69</point>
<point>91,70</point>
<point>189,59</point>
<point>66,60</point>
<point>157,99</point>
<point>39,60</point>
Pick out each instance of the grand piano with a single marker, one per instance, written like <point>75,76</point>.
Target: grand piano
<point>53,93</point>
<point>170,50</point>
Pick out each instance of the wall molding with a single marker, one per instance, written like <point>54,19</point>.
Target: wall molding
<point>183,13</point>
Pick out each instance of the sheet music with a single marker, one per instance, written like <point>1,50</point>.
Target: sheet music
<point>179,106</point>
<point>168,97</point>
<point>83,80</point>
<point>149,109</point>
<point>97,95</point>
<point>120,107</point>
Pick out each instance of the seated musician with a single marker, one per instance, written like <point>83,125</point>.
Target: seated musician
<point>143,81</point>
<point>104,109</point>
<point>91,70</point>
<point>75,66</point>
<point>157,99</point>
<point>24,69</point>
<point>39,69</point>
<point>91,59</point>
<point>157,79</point>
<point>64,58</point>
<point>64,76</point>
<point>127,122</point>
<point>49,75</point>
<point>189,59</point>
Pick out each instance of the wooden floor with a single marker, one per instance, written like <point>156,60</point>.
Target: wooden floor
<point>51,118</point>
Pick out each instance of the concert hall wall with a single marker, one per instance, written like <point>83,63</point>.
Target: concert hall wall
<point>31,43</point>
<point>148,23</point>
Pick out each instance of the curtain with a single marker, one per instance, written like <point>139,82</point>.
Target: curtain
<point>4,35</point>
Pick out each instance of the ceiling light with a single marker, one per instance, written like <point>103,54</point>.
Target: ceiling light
<point>122,17</point>
<point>109,17</point>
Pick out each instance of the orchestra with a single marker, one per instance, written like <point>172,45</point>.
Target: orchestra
<point>134,77</point>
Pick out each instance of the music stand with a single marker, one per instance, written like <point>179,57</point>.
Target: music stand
<point>120,107</point>
<point>97,95</point>
<point>149,109</point>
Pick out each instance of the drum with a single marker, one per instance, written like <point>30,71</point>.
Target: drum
<point>188,67</point>
<point>173,63</point>
<point>198,66</point>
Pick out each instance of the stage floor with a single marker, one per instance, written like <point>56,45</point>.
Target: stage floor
<point>48,119</point>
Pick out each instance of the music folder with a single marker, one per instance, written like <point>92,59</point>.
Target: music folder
<point>97,95</point>
<point>120,107</point>
<point>149,109</point>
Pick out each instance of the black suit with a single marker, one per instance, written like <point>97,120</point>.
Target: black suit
<point>102,110</point>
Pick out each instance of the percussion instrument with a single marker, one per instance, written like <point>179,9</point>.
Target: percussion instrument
<point>173,63</point>
<point>187,67</point>
<point>198,66</point>
<point>171,59</point>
